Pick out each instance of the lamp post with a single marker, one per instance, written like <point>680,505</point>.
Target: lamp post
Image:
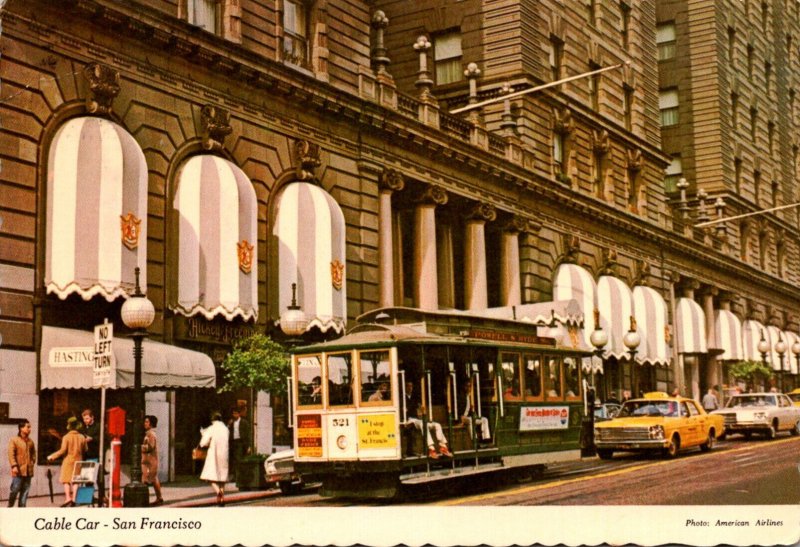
<point>780,349</point>
<point>796,351</point>
<point>763,348</point>
<point>293,321</point>
<point>631,341</point>
<point>137,314</point>
<point>599,339</point>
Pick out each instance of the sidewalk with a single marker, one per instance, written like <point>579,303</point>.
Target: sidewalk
<point>184,492</point>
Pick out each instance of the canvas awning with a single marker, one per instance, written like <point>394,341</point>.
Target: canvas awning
<point>310,230</point>
<point>650,311</point>
<point>615,302</point>
<point>774,334</point>
<point>690,326</point>
<point>217,233</point>
<point>790,338</point>
<point>751,335</point>
<point>96,207</point>
<point>728,335</point>
<point>65,362</point>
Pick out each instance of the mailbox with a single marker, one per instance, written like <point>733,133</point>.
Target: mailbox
<point>115,421</point>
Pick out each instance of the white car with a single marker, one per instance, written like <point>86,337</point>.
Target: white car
<point>762,413</point>
<point>280,472</point>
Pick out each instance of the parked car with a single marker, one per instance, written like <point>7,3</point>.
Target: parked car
<point>794,395</point>
<point>280,472</point>
<point>762,413</point>
<point>605,411</point>
<point>659,422</point>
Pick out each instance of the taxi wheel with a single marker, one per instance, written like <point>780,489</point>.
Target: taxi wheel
<point>604,454</point>
<point>672,449</point>
<point>709,444</point>
<point>796,429</point>
<point>771,433</point>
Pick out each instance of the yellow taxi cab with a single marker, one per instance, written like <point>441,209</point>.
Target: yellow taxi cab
<point>658,421</point>
<point>794,395</point>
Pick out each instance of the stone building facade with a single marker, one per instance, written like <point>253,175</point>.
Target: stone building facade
<point>252,155</point>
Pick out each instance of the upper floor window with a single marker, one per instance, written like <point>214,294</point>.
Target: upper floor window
<point>768,75</point>
<point>731,45</point>
<point>447,57</point>
<point>665,38</point>
<point>627,106</point>
<point>556,56</point>
<point>558,152</point>
<point>203,13</point>
<point>625,30</point>
<point>668,104</point>
<point>750,53</point>
<point>673,174</point>
<point>764,16</point>
<point>591,12</point>
<point>295,32</point>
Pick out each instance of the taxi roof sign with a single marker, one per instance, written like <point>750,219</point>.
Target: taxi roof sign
<point>657,395</point>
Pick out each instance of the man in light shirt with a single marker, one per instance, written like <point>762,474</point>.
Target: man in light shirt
<point>240,439</point>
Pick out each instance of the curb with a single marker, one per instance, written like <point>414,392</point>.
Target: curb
<point>229,500</point>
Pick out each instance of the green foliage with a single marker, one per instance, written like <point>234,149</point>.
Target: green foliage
<point>256,362</point>
<point>750,371</point>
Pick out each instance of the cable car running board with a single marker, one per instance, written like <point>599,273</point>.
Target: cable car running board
<point>449,473</point>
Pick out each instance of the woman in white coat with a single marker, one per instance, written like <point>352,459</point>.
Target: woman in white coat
<point>215,469</point>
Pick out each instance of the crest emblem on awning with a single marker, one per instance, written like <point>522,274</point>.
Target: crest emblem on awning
<point>245,252</point>
<point>131,229</point>
<point>337,274</point>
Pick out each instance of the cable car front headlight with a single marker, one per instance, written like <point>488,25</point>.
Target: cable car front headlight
<point>341,442</point>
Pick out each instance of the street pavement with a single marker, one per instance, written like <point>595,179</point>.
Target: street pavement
<point>184,492</point>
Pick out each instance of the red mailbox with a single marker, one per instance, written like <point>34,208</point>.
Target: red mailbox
<point>115,421</point>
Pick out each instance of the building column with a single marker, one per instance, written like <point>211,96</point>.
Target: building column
<point>445,267</point>
<point>711,376</point>
<point>693,363</point>
<point>390,181</point>
<point>426,294</point>
<point>510,279</point>
<point>476,292</point>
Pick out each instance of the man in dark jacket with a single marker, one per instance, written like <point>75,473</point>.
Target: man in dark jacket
<point>91,430</point>
<point>240,439</point>
<point>22,458</point>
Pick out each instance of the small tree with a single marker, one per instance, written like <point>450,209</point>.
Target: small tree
<point>750,371</point>
<point>256,362</point>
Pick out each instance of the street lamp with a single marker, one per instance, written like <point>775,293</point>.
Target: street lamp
<point>780,348</point>
<point>599,339</point>
<point>293,321</point>
<point>137,314</point>
<point>632,339</point>
<point>796,351</point>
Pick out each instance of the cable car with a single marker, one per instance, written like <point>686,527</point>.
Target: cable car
<point>410,397</point>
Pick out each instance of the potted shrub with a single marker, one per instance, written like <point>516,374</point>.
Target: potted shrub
<point>250,473</point>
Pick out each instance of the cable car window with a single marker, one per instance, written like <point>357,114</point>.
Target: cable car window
<point>376,380</point>
<point>532,371</point>
<point>572,378</point>
<point>340,376</point>
<point>552,378</point>
<point>511,383</point>
<point>309,380</point>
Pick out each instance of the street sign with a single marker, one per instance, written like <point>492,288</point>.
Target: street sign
<point>105,365</point>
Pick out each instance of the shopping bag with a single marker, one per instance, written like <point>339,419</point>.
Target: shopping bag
<point>199,453</point>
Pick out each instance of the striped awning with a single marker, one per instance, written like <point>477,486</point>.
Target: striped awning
<point>728,335</point>
<point>774,334</point>
<point>217,240</point>
<point>790,338</point>
<point>615,302</point>
<point>751,335</point>
<point>310,229</point>
<point>573,282</point>
<point>690,327</point>
<point>96,231</point>
<point>650,311</point>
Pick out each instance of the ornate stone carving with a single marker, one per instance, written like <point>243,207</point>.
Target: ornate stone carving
<point>608,262</point>
<point>482,212</point>
<point>562,121</point>
<point>635,160</point>
<point>391,180</point>
<point>216,123</point>
<point>600,141</point>
<point>433,195</point>
<point>518,224</point>
<point>103,88</point>
<point>306,158</point>
<point>572,249</point>
<point>642,273</point>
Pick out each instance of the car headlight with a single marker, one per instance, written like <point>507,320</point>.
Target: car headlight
<point>597,433</point>
<point>341,442</point>
<point>656,432</point>
<point>271,468</point>
<point>760,416</point>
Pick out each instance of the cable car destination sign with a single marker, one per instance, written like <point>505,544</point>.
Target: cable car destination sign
<point>104,363</point>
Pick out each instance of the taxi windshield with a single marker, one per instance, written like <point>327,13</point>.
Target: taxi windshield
<point>751,400</point>
<point>795,397</point>
<point>648,407</point>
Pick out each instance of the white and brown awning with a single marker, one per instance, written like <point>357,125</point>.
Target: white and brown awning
<point>774,334</point>
<point>690,327</point>
<point>790,338</point>
<point>573,282</point>
<point>310,231</point>
<point>728,336</point>
<point>96,231</point>
<point>615,303</point>
<point>650,311</point>
<point>751,335</point>
<point>67,362</point>
<point>217,239</point>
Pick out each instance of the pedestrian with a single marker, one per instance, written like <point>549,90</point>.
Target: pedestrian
<point>612,398</point>
<point>239,431</point>
<point>73,446</point>
<point>676,392</point>
<point>710,401</point>
<point>150,457</point>
<point>215,469</point>
<point>91,430</point>
<point>21,458</point>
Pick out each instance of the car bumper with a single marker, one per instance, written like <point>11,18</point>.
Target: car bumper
<point>283,477</point>
<point>746,426</point>
<point>632,445</point>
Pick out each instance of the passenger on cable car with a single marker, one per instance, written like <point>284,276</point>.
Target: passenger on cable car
<point>414,410</point>
<point>469,417</point>
<point>382,394</point>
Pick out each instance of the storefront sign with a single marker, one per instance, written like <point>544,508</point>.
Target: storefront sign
<point>516,337</point>
<point>377,431</point>
<point>215,332</point>
<point>537,418</point>
<point>71,357</point>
